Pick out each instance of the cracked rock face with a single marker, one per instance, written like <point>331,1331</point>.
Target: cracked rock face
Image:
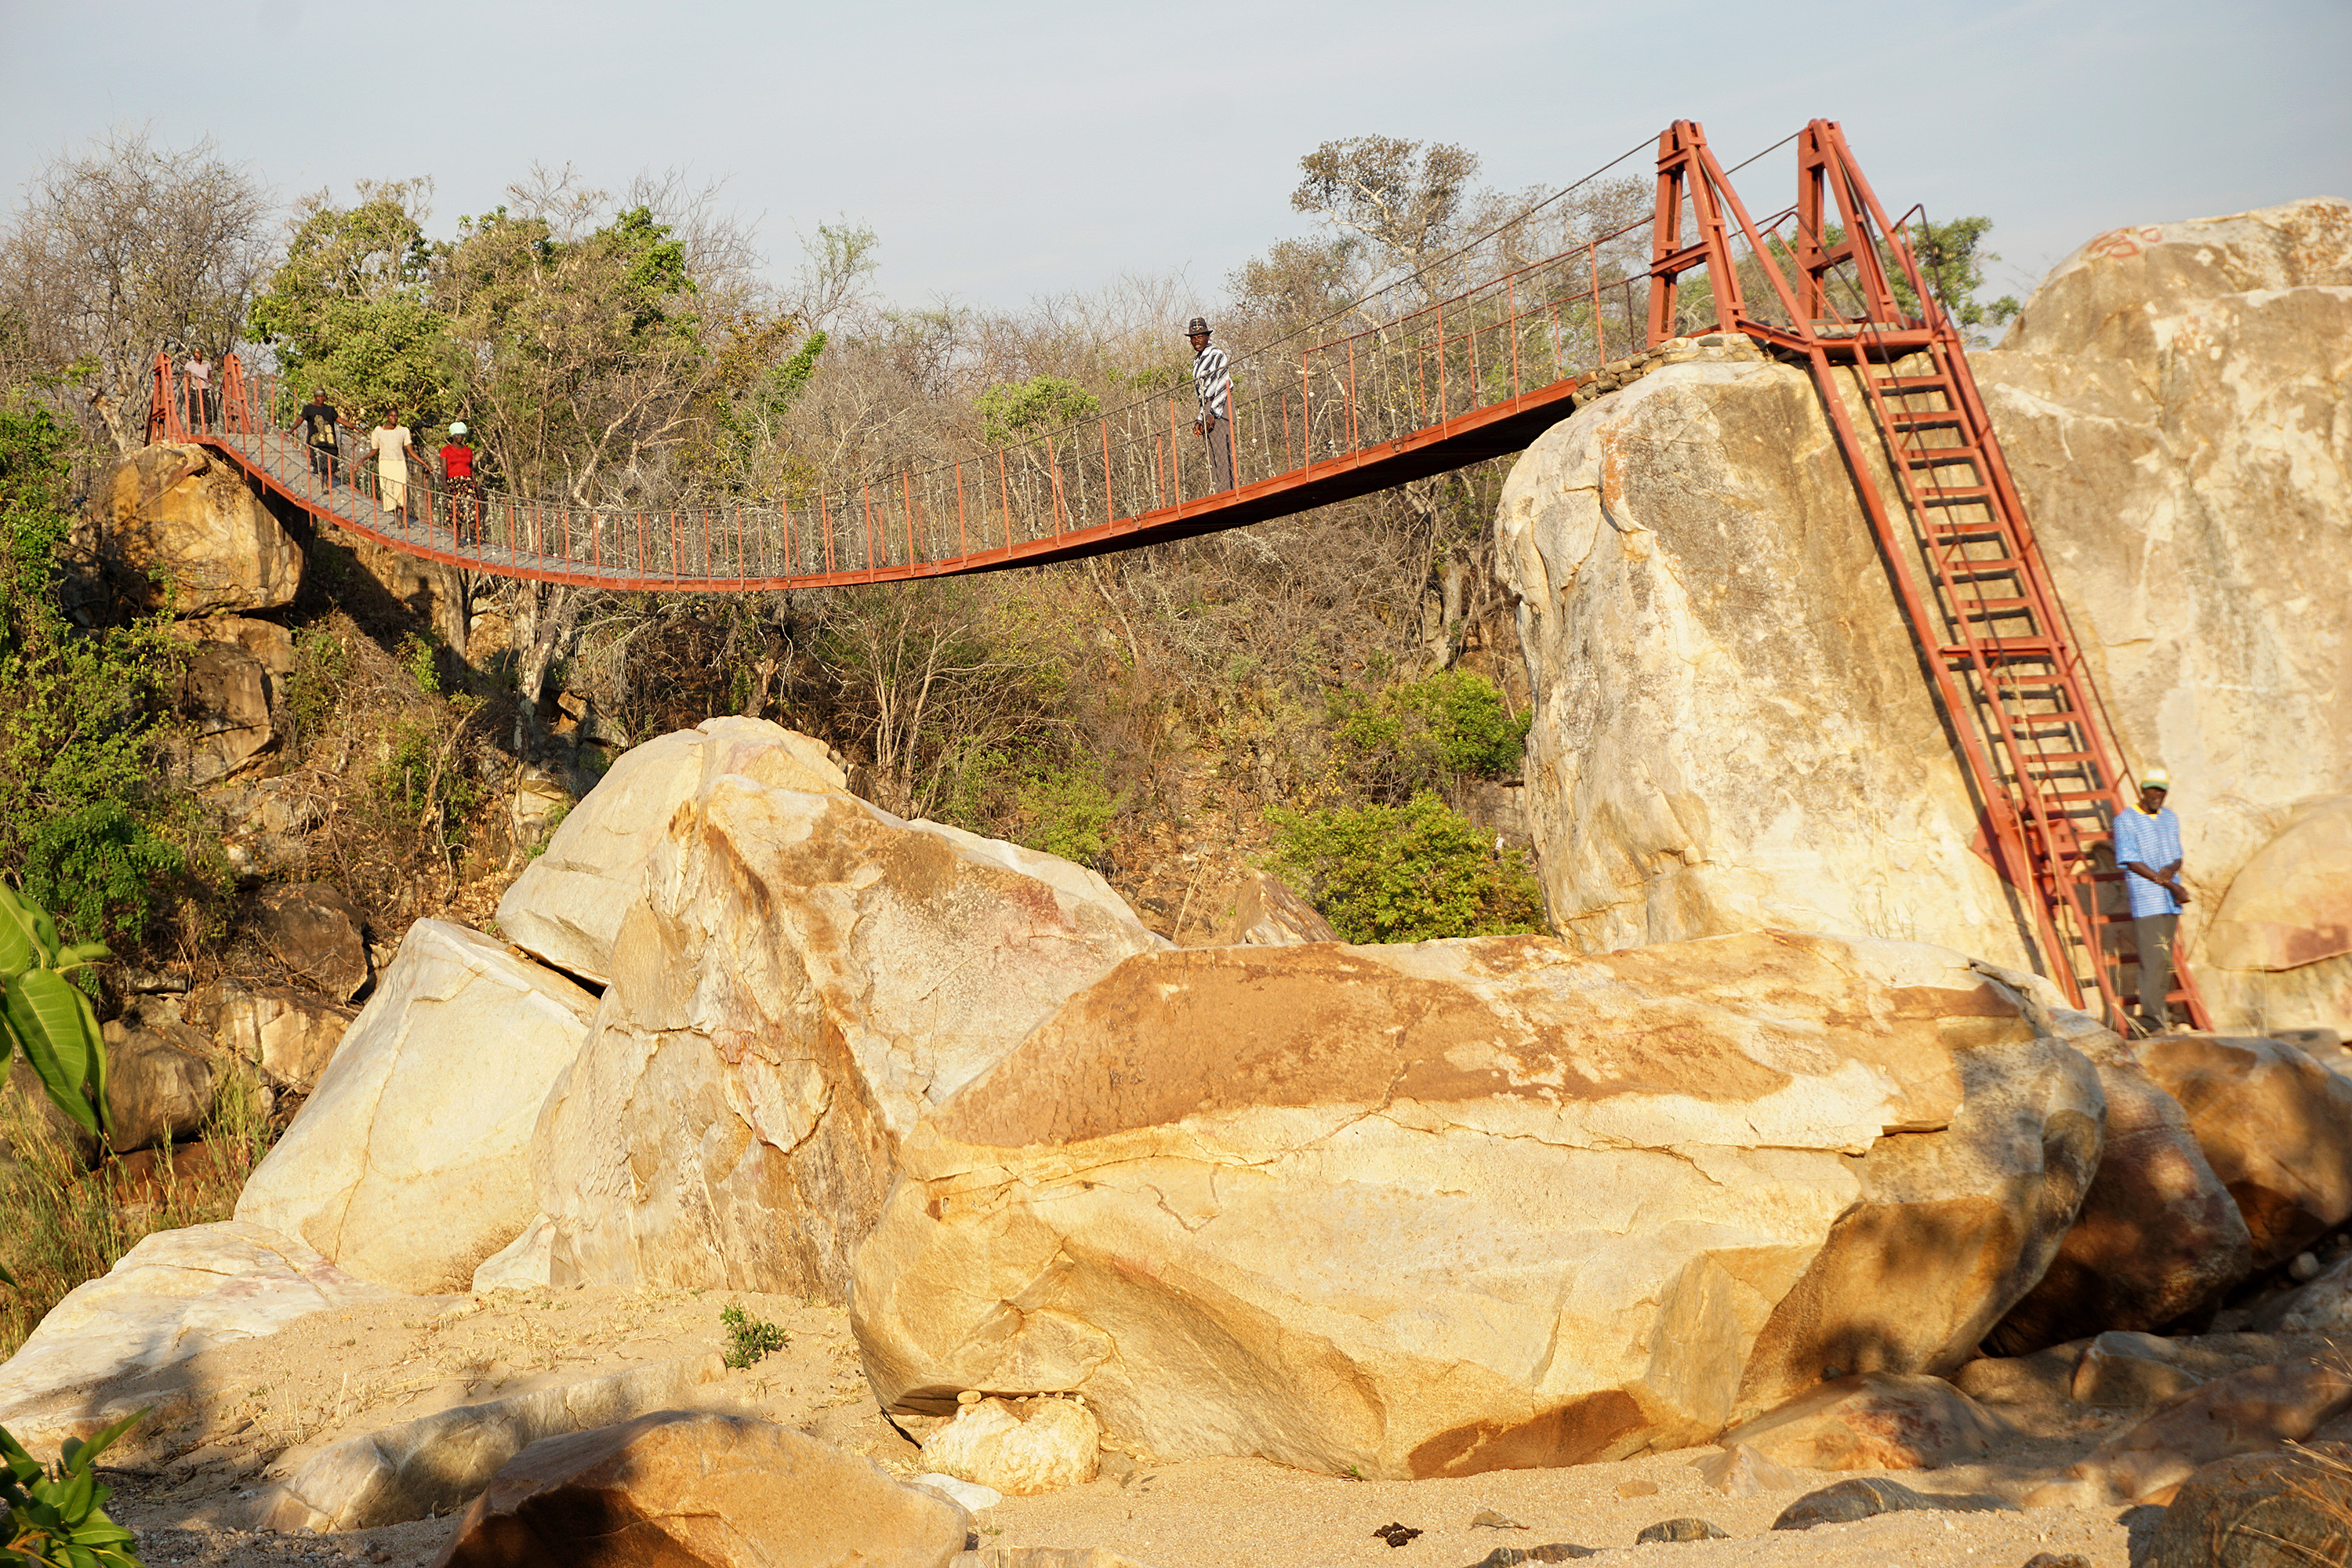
<point>1731,726</point>
<point>795,978</point>
<point>409,1163</point>
<point>1731,730</point>
<point>2172,402</point>
<point>181,514</point>
<point>1456,1206</point>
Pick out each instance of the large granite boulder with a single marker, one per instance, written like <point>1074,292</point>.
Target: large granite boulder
<point>1731,727</point>
<point>1446,1207</point>
<point>183,515</point>
<point>136,1336</point>
<point>2170,402</point>
<point>2275,1126</point>
<point>2158,1237</point>
<point>1730,731</point>
<point>569,902</point>
<point>409,1163</point>
<point>795,978</point>
<point>2278,951</point>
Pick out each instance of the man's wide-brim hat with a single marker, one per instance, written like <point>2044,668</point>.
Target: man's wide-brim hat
<point>1198,326</point>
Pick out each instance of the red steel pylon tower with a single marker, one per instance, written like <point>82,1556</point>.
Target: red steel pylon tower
<point>1893,372</point>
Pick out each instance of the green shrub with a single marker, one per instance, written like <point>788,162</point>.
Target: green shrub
<point>749,1339</point>
<point>82,810</point>
<point>56,1513</point>
<point>1064,812</point>
<point>1452,725</point>
<point>1404,873</point>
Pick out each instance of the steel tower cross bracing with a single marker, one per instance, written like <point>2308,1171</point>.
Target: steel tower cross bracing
<point>1844,293</point>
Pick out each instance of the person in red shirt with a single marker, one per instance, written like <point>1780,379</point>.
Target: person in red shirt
<point>465,493</point>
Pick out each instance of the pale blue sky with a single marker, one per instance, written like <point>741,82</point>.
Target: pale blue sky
<point>1010,150</point>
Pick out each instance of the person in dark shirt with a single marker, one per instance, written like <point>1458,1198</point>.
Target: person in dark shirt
<point>465,493</point>
<point>316,425</point>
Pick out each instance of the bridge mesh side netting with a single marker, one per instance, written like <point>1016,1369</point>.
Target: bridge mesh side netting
<point>1560,289</point>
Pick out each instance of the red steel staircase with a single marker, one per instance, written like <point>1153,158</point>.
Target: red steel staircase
<point>1893,371</point>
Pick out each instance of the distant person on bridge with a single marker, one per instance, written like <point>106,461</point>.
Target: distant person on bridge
<point>2148,847</point>
<point>1212,383</point>
<point>317,424</point>
<point>465,494</point>
<point>200,391</point>
<point>393,447</point>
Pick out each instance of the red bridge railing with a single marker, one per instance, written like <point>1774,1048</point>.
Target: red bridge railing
<point>1421,384</point>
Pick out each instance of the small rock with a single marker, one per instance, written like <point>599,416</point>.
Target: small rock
<point>1673,1530</point>
<point>2128,1369</point>
<point>969,1494</point>
<point>2052,1560</point>
<point>1488,1519</point>
<point>1741,1471</point>
<point>1875,1421</point>
<point>1864,1497</point>
<point>1266,914</point>
<point>1396,1534</point>
<point>1510,1556</point>
<point>2243,1413</point>
<point>2304,1266</point>
<point>1637,1489</point>
<point>2261,1511</point>
<point>680,1488</point>
<point>159,1084</point>
<point>316,932</point>
<point>1019,1447</point>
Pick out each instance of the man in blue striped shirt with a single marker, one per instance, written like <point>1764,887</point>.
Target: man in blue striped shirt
<point>2148,847</point>
<point>1212,383</point>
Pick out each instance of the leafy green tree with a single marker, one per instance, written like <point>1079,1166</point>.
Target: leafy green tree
<point>352,306</point>
<point>1953,256</point>
<point>1016,410</point>
<point>1404,873</point>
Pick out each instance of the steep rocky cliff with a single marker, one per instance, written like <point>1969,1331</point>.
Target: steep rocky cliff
<point>1732,726</point>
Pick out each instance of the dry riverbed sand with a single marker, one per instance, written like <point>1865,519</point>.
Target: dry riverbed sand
<point>341,1373</point>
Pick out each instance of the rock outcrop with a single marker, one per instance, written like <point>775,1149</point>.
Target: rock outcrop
<point>721,1490</point>
<point>134,1337</point>
<point>569,902</point>
<point>795,976</point>
<point>1731,729</point>
<point>183,515</point>
<point>1453,1206</point>
<point>2275,1126</point>
<point>2158,1237</point>
<point>409,1163</point>
<point>2279,947</point>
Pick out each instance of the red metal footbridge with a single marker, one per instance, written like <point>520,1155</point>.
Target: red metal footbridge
<point>1415,380</point>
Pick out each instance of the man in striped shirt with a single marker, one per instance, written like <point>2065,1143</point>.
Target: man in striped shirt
<point>1212,382</point>
<point>2148,847</point>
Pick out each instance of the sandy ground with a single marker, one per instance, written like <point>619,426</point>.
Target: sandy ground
<point>279,1400</point>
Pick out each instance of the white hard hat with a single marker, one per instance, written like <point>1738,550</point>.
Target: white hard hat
<point>458,428</point>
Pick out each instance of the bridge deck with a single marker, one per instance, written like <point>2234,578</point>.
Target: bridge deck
<point>1429,384</point>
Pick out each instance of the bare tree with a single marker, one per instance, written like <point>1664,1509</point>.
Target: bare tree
<point>127,247</point>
